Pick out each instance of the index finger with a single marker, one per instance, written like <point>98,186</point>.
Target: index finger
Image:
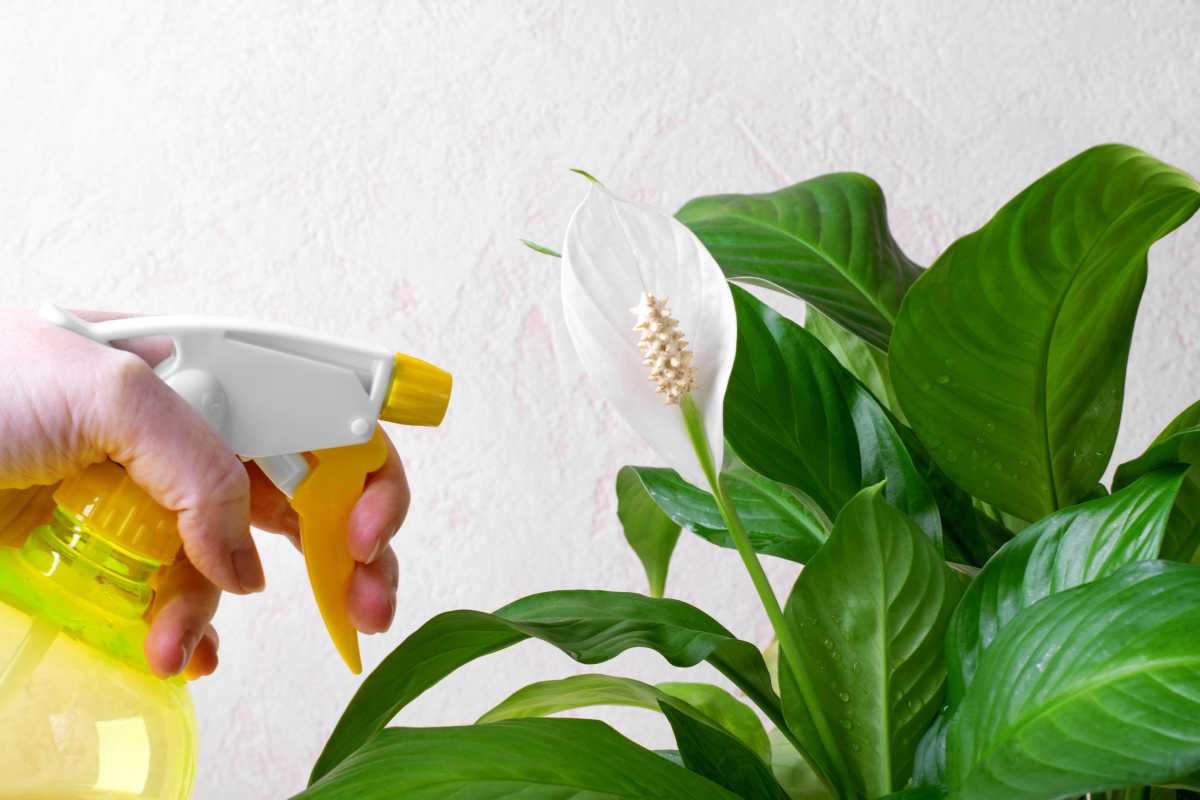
<point>381,509</point>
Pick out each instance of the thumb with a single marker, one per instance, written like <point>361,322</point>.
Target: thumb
<point>171,452</point>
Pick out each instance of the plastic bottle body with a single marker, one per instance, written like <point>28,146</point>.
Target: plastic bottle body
<point>81,716</point>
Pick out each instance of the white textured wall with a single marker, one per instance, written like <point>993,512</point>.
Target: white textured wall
<point>366,168</point>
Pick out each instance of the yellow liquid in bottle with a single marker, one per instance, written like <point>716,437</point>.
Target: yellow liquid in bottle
<point>81,715</point>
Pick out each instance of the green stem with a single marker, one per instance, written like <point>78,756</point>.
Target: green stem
<point>787,641</point>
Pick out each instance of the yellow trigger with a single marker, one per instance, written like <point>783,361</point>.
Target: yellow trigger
<point>323,502</point>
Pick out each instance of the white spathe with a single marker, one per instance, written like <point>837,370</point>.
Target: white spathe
<point>616,251</point>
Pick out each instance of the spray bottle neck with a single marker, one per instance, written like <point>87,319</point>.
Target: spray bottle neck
<point>86,563</point>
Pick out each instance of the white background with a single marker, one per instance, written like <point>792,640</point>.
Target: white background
<point>365,169</point>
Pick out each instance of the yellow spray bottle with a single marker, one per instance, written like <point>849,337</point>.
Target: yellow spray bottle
<point>81,714</point>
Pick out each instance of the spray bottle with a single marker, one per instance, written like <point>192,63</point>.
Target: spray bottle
<point>82,716</point>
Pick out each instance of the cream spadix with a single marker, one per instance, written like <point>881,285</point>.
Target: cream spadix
<point>618,254</point>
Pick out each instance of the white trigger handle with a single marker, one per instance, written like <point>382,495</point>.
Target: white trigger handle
<point>269,391</point>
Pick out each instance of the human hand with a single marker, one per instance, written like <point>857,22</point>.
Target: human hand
<point>70,402</point>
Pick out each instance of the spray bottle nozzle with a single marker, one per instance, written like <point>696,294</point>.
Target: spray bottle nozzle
<point>418,394</point>
<point>275,393</point>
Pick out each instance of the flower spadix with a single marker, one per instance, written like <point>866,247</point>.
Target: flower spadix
<point>652,319</point>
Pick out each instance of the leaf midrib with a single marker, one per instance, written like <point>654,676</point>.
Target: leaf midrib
<point>1043,394</point>
<point>828,259</point>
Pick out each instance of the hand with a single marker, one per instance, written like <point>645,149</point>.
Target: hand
<point>69,402</point>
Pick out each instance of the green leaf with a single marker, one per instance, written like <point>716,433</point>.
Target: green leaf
<point>793,773</point>
<point>707,703</point>
<point>724,710</point>
<point>1009,353</point>
<point>541,248</point>
<point>969,535</point>
<point>1066,549</point>
<point>795,415</point>
<point>721,758</point>
<point>931,792</point>
<point>825,240</point>
<point>781,522</point>
<point>870,610</point>
<point>649,531</point>
<point>589,626</point>
<point>1179,443</point>
<point>536,759</point>
<point>929,765</point>
<point>862,359</point>
<point>1093,688</point>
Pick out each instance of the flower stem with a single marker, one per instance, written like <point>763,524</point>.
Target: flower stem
<point>783,631</point>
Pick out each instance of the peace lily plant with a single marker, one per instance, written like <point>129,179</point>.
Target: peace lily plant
<point>977,615</point>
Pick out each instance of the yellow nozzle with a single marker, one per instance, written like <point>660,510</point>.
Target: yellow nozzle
<point>418,394</point>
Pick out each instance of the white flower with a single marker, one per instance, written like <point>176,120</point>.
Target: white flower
<point>617,254</point>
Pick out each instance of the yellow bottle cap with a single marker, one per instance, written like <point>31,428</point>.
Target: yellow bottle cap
<point>107,500</point>
<point>418,394</point>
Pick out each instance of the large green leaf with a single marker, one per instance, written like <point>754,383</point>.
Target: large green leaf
<point>650,533</point>
<point>707,703</point>
<point>870,610</point>
<point>534,759</point>
<point>1009,353</point>
<point>1179,443</point>
<point>589,626</point>
<point>795,415</point>
<point>723,759</point>
<point>1093,688</point>
<point>780,521</point>
<point>825,240</point>
<point>863,360</point>
<point>1066,549</point>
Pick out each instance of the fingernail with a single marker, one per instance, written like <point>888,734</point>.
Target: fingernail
<point>391,613</point>
<point>379,545</point>
<point>248,568</point>
<point>184,657</point>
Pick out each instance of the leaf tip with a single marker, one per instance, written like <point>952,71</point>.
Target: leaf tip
<point>540,248</point>
<point>591,178</point>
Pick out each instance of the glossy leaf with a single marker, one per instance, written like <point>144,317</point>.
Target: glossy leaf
<point>825,240</point>
<point>535,759</point>
<point>1066,549</point>
<point>1179,443</point>
<point>929,765</point>
<point>589,626</point>
<point>649,531</point>
<point>1093,688</point>
<point>795,415</point>
<point>615,250</point>
<point>870,609</point>
<point>707,703</point>
<point>863,360</point>
<point>723,759</point>
<point>780,521</point>
<point>1009,353</point>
